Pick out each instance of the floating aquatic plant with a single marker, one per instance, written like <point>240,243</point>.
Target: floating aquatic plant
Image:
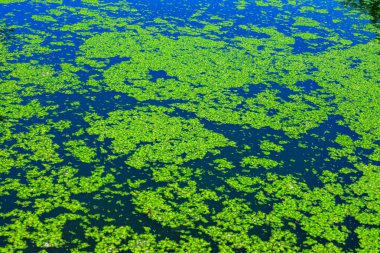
<point>245,126</point>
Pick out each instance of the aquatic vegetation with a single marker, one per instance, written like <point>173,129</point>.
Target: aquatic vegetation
<point>81,151</point>
<point>302,21</point>
<point>11,1</point>
<point>248,126</point>
<point>43,18</point>
<point>150,136</point>
<point>255,162</point>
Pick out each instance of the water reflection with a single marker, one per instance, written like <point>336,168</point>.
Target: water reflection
<point>4,33</point>
<point>372,7</point>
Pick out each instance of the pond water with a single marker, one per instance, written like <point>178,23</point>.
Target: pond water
<point>189,126</point>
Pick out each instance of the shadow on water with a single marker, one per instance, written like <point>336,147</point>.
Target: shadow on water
<point>5,33</point>
<point>372,7</point>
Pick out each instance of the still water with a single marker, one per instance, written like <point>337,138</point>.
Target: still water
<point>189,126</point>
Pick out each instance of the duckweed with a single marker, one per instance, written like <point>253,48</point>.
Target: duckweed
<point>250,126</point>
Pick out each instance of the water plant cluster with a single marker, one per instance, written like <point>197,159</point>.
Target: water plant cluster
<point>209,126</point>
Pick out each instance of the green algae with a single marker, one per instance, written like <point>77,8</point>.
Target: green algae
<point>255,162</point>
<point>81,151</point>
<point>193,208</point>
<point>42,18</point>
<point>241,4</point>
<point>268,146</point>
<point>73,143</point>
<point>11,1</point>
<point>178,139</point>
<point>223,165</point>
